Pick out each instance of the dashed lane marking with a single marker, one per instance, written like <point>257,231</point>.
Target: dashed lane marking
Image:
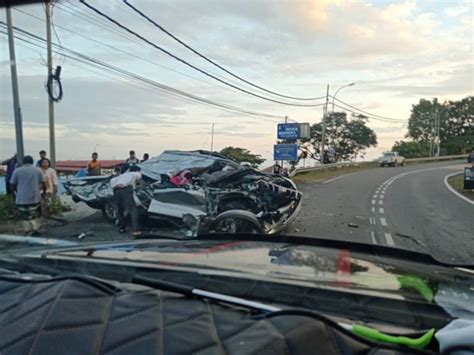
<point>389,239</point>
<point>381,210</point>
<point>383,221</point>
<point>372,235</point>
<point>380,202</point>
<point>373,202</point>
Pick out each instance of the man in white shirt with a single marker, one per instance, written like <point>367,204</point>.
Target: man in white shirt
<point>123,186</point>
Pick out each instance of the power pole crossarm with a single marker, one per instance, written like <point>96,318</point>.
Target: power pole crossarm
<point>15,91</point>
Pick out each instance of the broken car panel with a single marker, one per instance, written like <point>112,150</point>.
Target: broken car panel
<point>222,196</point>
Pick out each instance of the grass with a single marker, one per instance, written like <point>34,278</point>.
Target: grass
<point>9,212</point>
<point>324,174</point>
<point>457,182</point>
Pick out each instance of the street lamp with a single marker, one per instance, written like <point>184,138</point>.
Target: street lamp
<point>334,96</point>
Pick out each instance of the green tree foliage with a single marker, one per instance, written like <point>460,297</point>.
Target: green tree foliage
<point>456,124</point>
<point>351,137</point>
<point>412,149</point>
<point>242,155</point>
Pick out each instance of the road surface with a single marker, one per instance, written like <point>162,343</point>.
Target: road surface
<point>407,207</point>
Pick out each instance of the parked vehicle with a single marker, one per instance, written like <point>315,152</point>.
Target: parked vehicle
<point>391,159</point>
<point>224,196</point>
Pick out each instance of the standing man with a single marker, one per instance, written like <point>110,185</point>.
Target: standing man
<point>93,168</point>
<point>42,155</point>
<point>11,165</point>
<point>131,161</point>
<point>123,186</point>
<point>26,182</point>
<point>276,168</point>
<point>146,156</point>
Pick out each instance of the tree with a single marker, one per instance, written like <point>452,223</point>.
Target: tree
<point>412,149</point>
<point>456,124</point>
<point>242,155</point>
<point>350,137</point>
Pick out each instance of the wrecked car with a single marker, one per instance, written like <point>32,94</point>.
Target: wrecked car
<point>222,195</point>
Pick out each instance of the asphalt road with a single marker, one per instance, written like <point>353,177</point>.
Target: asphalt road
<point>406,207</point>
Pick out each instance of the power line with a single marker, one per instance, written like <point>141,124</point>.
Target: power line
<point>106,26</point>
<point>175,92</point>
<point>97,11</point>
<point>126,52</point>
<point>153,22</point>
<point>370,114</point>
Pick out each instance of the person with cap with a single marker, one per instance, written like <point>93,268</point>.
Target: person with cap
<point>123,187</point>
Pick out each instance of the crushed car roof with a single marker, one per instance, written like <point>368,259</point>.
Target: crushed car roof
<point>179,160</point>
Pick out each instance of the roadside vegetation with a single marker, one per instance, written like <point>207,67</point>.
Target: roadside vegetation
<point>9,212</point>
<point>457,183</point>
<point>330,172</point>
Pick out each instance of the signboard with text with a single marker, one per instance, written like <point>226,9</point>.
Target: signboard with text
<point>285,152</point>
<point>288,131</point>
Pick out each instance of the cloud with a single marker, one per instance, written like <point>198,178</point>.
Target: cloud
<point>459,10</point>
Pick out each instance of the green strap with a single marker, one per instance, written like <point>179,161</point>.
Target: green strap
<point>375,335</point>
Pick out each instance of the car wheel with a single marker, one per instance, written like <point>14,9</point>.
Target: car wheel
<point>234,224</point>
<point>109,211</point>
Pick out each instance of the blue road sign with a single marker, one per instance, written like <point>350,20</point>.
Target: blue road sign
<point>289,131</point>
<point>285,152</point>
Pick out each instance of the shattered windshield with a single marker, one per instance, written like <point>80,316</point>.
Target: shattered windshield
<point>339,120</point>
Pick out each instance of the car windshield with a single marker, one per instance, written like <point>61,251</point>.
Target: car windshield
<point>127,120</point>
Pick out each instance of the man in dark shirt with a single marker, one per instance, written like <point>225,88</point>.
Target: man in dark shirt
<point>42,155</point>
<point>11,165</point>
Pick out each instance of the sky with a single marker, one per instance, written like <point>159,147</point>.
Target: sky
<point>396,52</point>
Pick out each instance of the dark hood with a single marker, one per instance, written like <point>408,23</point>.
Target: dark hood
<point>348,269</point>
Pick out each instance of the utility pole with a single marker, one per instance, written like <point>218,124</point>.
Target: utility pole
<point>15,93</point>
<point>438,139</point>
<point>212,138</point>
<point>323,133</point>
<point>52,138</point>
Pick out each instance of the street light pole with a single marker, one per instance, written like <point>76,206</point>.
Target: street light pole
<point>323,131</point>
<point>334,96</point>
<point>15,91</point>
<point>212,138</point>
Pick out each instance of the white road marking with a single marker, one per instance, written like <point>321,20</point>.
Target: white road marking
<point>454,191</point>
<point>383,221</point>
<point>373,202</point>
<point>372,234</point>
<point>381,210</point>
<point>372,220</point>
<point>375,196</point>
<point>373,209</point>
<point>338,177</point>
<point>389,239</point>
<point>380,202</point>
